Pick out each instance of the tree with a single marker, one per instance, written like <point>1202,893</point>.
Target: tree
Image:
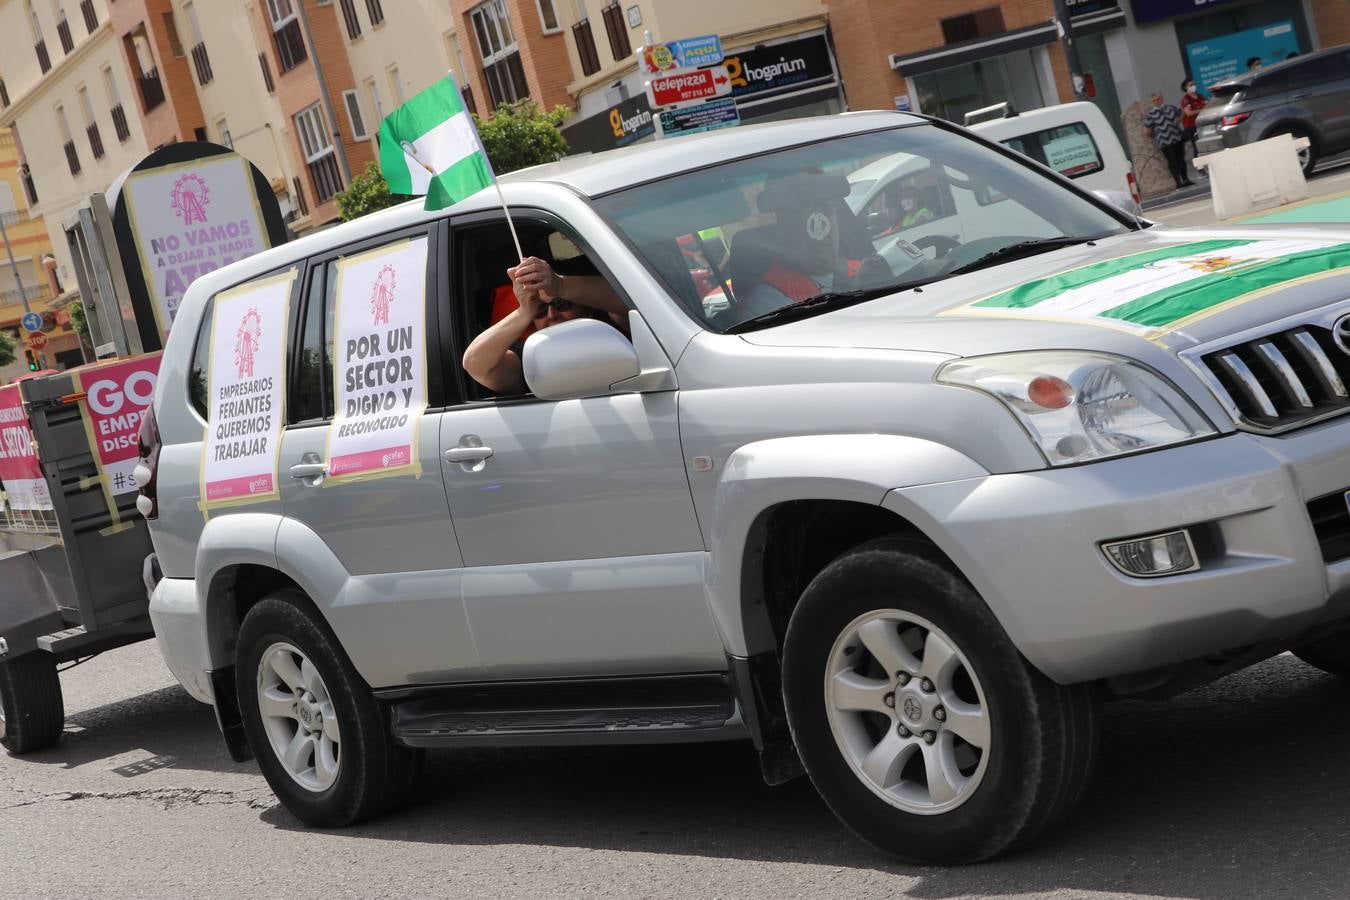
<point>77,320</point>
<point>8,345</point>
<point>517,136</point>
<point>367,193</point>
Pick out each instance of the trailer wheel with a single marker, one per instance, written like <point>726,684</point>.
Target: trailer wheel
<point>32,712</point>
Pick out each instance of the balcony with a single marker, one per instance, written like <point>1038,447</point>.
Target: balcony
<point>90,16</point>
<point>152,89</point>
<point>95,141</point>
<point>44,61</point>
<point>31,294</point>
<point>63,30</point>
<point>290,45</point>
<point>119,117</point>
<point>202,63</point>
<point>14,217</point>
<point>72,157</point>
<point>326,177</point>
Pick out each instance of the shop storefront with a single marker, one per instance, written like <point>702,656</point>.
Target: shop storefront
<point>783,79</point>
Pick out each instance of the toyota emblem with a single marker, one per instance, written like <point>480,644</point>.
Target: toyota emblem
<point>1340,333</point>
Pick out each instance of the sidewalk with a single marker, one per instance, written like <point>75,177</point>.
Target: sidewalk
<point>1328,201</point>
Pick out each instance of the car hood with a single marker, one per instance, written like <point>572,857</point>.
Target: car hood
<point>1170,287</point>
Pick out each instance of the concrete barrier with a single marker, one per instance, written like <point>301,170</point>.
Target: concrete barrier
<point>1256,176</point>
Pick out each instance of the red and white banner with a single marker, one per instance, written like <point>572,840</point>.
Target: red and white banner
<point>19,469</point>
<point>379,384</point>
<point>116,398</point>
<point>688,86</point>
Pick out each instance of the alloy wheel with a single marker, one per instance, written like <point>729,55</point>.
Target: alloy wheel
<point>299,718</point>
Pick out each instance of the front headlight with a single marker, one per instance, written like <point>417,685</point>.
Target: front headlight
<point>1081,406</point>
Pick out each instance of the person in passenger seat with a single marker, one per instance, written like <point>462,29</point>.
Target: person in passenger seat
<point>806,256</point>
<point>545,298</point>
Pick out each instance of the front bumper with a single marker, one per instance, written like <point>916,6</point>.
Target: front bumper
<point>1030,544</point>
<point>181,633</point>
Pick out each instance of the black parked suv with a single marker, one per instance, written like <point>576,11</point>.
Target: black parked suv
<point>1308,96</point>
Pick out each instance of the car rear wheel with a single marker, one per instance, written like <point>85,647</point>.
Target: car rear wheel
<point>918,721</point>
<point>317,732</point>
<point>32,711</point>
<point>1307,156</point>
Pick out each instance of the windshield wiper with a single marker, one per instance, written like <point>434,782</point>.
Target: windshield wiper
<point>1021,249</point>
<point>821,303</point>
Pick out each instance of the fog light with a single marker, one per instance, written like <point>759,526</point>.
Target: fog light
<point>1158,554</point>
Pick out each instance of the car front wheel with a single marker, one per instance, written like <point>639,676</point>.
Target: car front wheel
<point>316,731</point>
<point>918,721</point>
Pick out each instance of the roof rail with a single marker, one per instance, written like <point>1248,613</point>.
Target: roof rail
<point>1004,110</point>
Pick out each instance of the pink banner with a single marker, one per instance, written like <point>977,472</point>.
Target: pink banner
<point>117,396</point>
<point>19,468</point>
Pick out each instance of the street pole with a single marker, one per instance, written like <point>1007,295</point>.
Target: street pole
<point>323,92</point>
<point>18,279</point>
<point>1064,23</point>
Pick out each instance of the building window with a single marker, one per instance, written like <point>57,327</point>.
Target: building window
<point>152,89</point>
<point>90,123</point>
<point>352,100</point>
<point>267,74</point>
<point>39,43</point>
<point>63,128</point>
<point>967,27</point>
<point>119,115</point>
<point>317,146</point>
<point>350,19</point>
<point>226,140</point>
<point>200,60</point>
<point>497,47</point>
<point>586,52</point>
<point>376,12</point>
<point>460,71</point>
<point>548,16</point>
<point>286,32</point>
<point>90,16</point>
<point>376,104</point>
<point>951,93</point>
<point>4,95</point>
<point>617,30</point>
<point>395,85</point>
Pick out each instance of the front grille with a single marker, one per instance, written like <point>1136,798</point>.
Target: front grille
<point>1331,522</point>
<point>1284,379</point>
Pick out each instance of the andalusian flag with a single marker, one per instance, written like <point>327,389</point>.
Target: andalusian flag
<point>430,146</point>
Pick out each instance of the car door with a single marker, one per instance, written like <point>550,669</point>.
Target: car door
<point>582,551</point>
<point>1321,87</point>
<point>396,604</point>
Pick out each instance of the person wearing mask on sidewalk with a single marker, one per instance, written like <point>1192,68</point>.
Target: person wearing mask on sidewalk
<point>1163,124</point>
<point>1191,104</point>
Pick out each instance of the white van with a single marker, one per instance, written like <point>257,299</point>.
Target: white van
<point>1074,139</point>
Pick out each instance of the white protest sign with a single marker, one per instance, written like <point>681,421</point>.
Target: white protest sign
<point>1072,154</point>
<point>379,378</point>
<point>246,390</point>
<point>190,219</point>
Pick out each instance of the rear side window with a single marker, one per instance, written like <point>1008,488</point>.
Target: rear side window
<point>200,363</point>
<point>1069,149</point>
<point>311,395</point>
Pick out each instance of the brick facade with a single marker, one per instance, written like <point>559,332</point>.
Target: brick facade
<point>298,89</point>
<point>178,117</point>
<point>867,32</point>
<point>543,56</point>
<point>1332,18</point>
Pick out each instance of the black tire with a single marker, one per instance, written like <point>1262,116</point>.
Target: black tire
<point>1331,654</point>
<point>374,774</point>
<point>32,711</point>
<point>1294,131</point>
<point>1043,737</point>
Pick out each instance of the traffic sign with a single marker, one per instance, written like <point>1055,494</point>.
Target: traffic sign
<point>37,341</point>
<point>685,86</point>
<point>686,53</point>
<point>705,117</point>
<point>32,321</point>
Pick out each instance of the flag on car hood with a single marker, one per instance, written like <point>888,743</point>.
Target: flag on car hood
<point>429,146</point>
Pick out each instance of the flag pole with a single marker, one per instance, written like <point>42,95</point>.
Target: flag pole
<point>509,224</point>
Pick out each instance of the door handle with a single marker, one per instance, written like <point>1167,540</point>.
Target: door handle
<point>309,470</point>
<point>467,454</point>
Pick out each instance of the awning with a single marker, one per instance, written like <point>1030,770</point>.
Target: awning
<point>948,55</point>
<point>1097,22</point>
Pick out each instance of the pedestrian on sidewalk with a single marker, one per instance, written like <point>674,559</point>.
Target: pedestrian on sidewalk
<point>1191,104</point>
<point>1163,124</point>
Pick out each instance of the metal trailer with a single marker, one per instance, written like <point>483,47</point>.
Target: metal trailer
<point>71,580</point>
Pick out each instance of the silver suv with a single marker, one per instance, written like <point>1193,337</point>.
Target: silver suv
<point>1307,96</point>
<point>901,520</point>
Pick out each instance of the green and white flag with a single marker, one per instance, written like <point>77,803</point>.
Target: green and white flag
<point>430,146</point>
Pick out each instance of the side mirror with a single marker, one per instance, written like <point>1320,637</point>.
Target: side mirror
<point>1121,200</point>
<point>580,358</point>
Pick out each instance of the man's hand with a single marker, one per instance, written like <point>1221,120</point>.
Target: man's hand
<point>536,278</point>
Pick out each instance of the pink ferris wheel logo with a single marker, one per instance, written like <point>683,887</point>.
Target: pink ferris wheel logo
<point>382,295</point>
<point>246,339</point>
<point>190,198</point>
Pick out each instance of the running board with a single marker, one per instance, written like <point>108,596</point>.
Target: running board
<point>555,713</point>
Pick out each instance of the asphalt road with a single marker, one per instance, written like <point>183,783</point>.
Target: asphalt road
<point>1239,789</point>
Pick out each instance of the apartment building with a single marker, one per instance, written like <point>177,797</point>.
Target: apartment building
<point>37,287</point>
<point>75,114</point>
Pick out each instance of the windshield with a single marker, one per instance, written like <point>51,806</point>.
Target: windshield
<point>862,215</point>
